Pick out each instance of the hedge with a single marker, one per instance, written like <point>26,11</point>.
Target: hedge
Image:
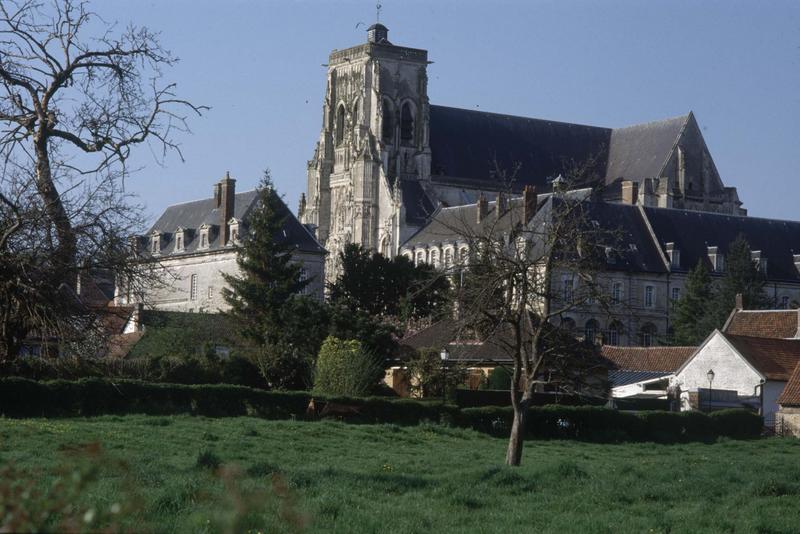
<point>21,397</point>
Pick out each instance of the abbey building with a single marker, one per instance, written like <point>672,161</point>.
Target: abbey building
<point>386,158</point>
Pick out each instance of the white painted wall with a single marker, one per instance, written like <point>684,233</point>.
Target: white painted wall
<point>772,390</point>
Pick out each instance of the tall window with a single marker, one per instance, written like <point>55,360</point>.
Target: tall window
<point>407,123</point>
<point>613,336</point>
<point>676,293</point>
<point>616,292</point>
<point>154,246</point>
<point>204,238</point>
<point>648,335</point>
<point>193,288</point>
<point>339,132</point>
<point>420,257</point>
<point>463,252</point>
<point>448,258</point>
<point>435,258</point>
<point>785,302</point>
<point>388,121</point>
<point>179,242</point>
<point>567,289</point>
<point>649,296</point>
<point>590,330</point>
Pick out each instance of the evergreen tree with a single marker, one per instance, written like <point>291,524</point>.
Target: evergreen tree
<point>742,276</point>
<point>269,279</point>
<point>693,318</point>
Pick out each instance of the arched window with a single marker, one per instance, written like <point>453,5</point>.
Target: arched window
<point>420,257</point>
<point>435,258</point>
<point>614,333</point>
<point>388,121</point>
<point>590,330</point>
<point>647,334</point>
<point>448,258</point>
<point>340,125</point>
<point>463,254</point>
<point>385,247</point>
<point>407,123</point>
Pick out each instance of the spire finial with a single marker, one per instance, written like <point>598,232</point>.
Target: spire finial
<point>378,8</point>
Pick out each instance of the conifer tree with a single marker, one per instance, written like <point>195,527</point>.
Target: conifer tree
<point>742,276</point>
<point>693,318</point>
<point>269,279</point>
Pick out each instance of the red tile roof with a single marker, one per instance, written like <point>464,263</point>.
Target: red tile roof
<point>791,393</point>
<point>655,359</point>
<point>776,359</point>
<point>780,324</point>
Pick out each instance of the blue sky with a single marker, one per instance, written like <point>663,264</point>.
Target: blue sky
<point>613,63</point>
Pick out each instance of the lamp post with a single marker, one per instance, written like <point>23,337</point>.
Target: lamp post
<point>710,376</point>
<point>444,355</point>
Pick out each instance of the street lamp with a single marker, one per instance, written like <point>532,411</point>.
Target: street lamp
<point>444,355</point>
<point>710,376</point>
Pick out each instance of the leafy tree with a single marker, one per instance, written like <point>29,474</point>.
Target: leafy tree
<point>427,375</point>
<point>73,107</point>
<point>344,367</point>
<point>499,378</point>
<point>741,276</point>
<point>694,320</point>
<point>381,286</point>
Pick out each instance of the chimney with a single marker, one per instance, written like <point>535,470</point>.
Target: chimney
<point>739,304</point>
<point>630,192</point>
<point>216,195</point>
<point>227,190</point>
<point>501,206</point>
<point>482,207</point>
<point>529,201</point>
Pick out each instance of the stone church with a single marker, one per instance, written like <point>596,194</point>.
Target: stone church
<point>386,158</point>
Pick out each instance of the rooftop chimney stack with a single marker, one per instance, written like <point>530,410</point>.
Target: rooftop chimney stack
<point>227,188</point>
<point>739,303</point>
<point>630,192</point>
<point>483,208</point>
<point>501,206</point>
<point>530,201</point>
<point>217,194</point>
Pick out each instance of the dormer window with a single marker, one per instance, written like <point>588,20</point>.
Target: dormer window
<point>759,260</point>
<point>179,240</point>
<point>204,235</point>
<point>233,224</point>
<point>155,243</point>
<point>717,259</point>
<point>674,256</point>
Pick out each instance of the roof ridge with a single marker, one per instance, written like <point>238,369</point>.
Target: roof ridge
<point>657,121</point>
<point>686,120</point>
<point>207,198</point>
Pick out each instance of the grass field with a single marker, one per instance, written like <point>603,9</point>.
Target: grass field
<point>193,474</point>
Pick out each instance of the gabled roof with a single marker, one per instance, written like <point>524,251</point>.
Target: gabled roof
<point>693,231</point>
<point>470,147</point>
<point>640,151</point>
<point>791,393</point>
<point>443,334</point>
<point>647,359</point>
<point>775,359</point>
<point>781,324</point>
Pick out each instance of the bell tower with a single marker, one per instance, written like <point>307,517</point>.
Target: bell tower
<point>374,137</point>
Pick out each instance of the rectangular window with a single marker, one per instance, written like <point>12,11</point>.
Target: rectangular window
<point>567,290</point>
<point>785,303</point>
<point>179,243</point>
<point>210,292</point>
<point>616,292</point>
<point>154,248</point>
<point>676,293</point>
<point>203,239</point>
<point>193,288</point>
<point>649,296</point>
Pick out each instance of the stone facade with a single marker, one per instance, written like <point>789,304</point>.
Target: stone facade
<point>386,158</point>
<point>195,243</point>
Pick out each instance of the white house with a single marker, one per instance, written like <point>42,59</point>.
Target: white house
<point>732,371</point>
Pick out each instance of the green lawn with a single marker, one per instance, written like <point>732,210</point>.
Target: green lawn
<point>333,477</point>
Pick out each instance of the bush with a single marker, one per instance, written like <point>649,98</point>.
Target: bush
<point>345,368</point>
<point>738,424</point>
<point>499,378</point>
<point>427,375</point>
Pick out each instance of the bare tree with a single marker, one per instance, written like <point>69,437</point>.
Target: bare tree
<point>530,262</point>
<point>72,108</point>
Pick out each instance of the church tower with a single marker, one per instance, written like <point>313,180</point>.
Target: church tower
<point>374,139</point>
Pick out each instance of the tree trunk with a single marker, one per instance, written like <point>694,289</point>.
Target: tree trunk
<point>515,440</point>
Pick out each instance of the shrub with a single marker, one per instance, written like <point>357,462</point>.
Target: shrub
<point>499,378</point>
<point>737,423</point>
<point>283,366</point>
<point>427,375</point>
<point>345,368</point>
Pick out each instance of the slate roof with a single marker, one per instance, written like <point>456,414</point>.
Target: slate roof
<point>776,359</point>
<point>640,151</point>
<point>694,231</point>
<point>647,359</point>
<point>419,207</point>
<point>192,215</point>
<point>443,333</point>
<point>780,324</point>
<point>468,147</point>
<point>791,393</point>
